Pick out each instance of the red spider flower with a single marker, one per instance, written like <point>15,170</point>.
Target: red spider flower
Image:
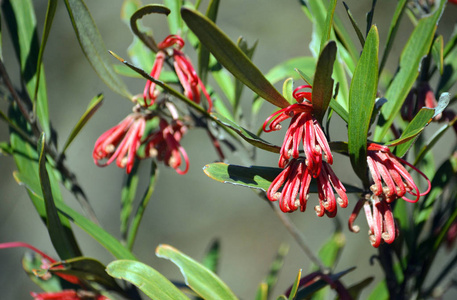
<point>296,179</point>
<point>326,183</point>
<point>390,177</point>
<point>68,295</point>
<point>191,83</point>
<point>120,143</point>
<point>304,129</point>
<point>380,220</point>
<point>164,145</point>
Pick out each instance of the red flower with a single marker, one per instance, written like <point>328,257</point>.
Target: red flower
<point>379,218</point>
<point>164,145</point>
<point>390,177</point>
<point>326,183</point>
<point>120,143</point>
<point>184,69</point>
<point>68,295</point>
<point>304,129</point>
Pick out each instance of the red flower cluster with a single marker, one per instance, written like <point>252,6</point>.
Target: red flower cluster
<point>122,142</point>
<point>186,73</point>
<point>298,170</point>
<point>391,181</point>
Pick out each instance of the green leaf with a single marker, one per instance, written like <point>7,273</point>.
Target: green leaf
<point>147,279</point>
<point>231,57</point>
<point>342,112</point>
<point>356,290</point>
<point>174,19</point>
<point>203,53</point>
<point>362,96</point>
<point>100,235</point>
<point>380,292</point>
<point>248,136</point>
<point>32,261</point>
<point>128,193</point>
<point>327,29</point>
<point>86,268</point>
<point>309,290</point>
<point>201,280</point>
<point>293,292</point>
<point>50,12</point>
<point>262,292</point>
<point>394,25</point>
<point>93,46</point>
<point>133,230</point>
<point>62,238</point>
<point>21,21</point>
<point>449,77</point>
<point>211,259</point>
<point>416,48</point>
<point>323,82</point>
<point>330,252</point>
<point>239,86</point>
<point>94,105</point>
<point>437,52</point>
<point>287,90</point>
<point>354,25</point>
<point>254,177</point>
<point>306,64</point>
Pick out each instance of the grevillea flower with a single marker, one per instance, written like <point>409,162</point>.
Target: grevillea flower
<point>164,145</point>
<point>68,295</point>
<point>188,78</point>
<point>303,129</point>
<point>326,183</point>
<point>120,143</point>
<point>380,219</point>
<point>390,177</point>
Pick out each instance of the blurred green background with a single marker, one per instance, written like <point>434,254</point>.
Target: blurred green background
<point>187,212</point>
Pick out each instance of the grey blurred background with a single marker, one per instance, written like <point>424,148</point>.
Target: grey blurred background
<point>187,212</point>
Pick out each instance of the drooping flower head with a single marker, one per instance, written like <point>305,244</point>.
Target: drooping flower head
<point>380,219</point>
<point>187,76</point>
<point>391,179</point>
<point>120,143</point>
<point>303,129</point>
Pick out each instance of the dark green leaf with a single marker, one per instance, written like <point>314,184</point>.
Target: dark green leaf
<point>356,290</point>
<point>133,230</point>
<point>309,290</point>
<point>86,268</point>
<point>230,56</point>
<point>62,238</point>
<point>394,24</point>
<point>147,279</point>
<point>211,259</point>
<point>416,48</point>
<point>323,82</point>
<point>362,96</point>
<point>201,280</point>
<point>336,106</point>
<point>239,86</point>
<point>93,46</point>
<point>437,52</point>
<point>305,77</point>
<point>94,105</point>
<point>449,77</point>
<point>248,136</point>
<point>254,177</point>
<point>21,21</point>
<point>100,235</point>
<point>355,25</point>
<point>370,15</point>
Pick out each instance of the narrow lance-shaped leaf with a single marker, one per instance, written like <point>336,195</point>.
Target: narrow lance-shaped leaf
<point>437,52</point>
<point>362,96</point>
<point>201,280</point>
<point>416,48</point>
<point>93,46</point>
<point>148,280</point>
<point>133,230</point>
<point>231,57</point>
<point>419,122</point>
<point>323,83</point>
<point>211,259</point>
<point>140,13</point>
<point>21,21</point>
<point>128,193</point>
<point>254,177</point>
<point>239,86</point>
<point>354,25</point>
<point>203,53</point>
<point>293,292</point>
<point>276,266</point>
<point>62,239</point>
<point>394,24</point>
<point>94,105</point>
<point>327,29</point>
<point>100,235</point>
<point>174,19</point>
